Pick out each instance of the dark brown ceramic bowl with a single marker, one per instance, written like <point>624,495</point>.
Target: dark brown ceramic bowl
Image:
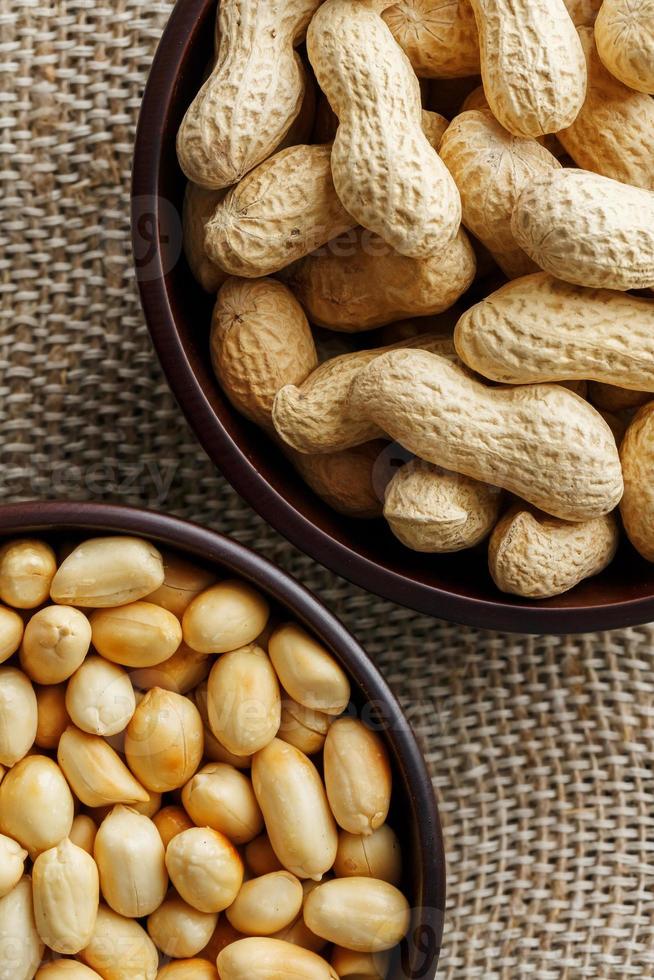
<point>456,587</point>
<point>414,814</point>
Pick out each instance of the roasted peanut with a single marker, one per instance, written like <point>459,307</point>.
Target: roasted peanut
<point>27,568</point>
<point>66,970</point>
<point>120,949</point>
<point>539,556</point>
<point>416,208</point>
<point>12,863</point>
<point>359,966</point>
<point>260,857</point>
<point>243,700</point>
<point>130,857</point>
<point>587,229</point>
<point>282,210</point>
<point>66,897</point>
<point>260,341</point>
<point>541,442</point>
<point>538,328</point>
<point>83,832</point>
<point>18,715</point>
<point>267,904</point>
<point>225,617</point>
<point>55,642</point>
<point>139,634</point>
<point>376,856</point>
<point>183,580</point>
<point>36,805</point>
<point>95,772</point>
<point>432,510</point>
<point>164,740</point>
<point>307,671</point>
<point>366,915</point>
<point>491,167</point>
<point>52,717</point>
<point>532,64</point>
<point>625,38</point>
<point>438,36</point>
<point>21,947</point>
<point>205,868</point>
<point>253,95</point>
<point>637,507</point>
<point>103,572</point>
<point>11,632</point>
<point>177,929</point>
<point>221,797</point>
<point>260,958</point>
<point>298,933</point>
<point>100,698</point>
<point>170,821</point>
<point>357,776</point>
<point>304,728</point>
<point>179,673</point>
<point>295,810</point>
<point>214,750</point>
<point>188,970</point>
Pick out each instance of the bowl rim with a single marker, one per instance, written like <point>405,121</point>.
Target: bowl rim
<point>56,516</point>
<point>517,616</point>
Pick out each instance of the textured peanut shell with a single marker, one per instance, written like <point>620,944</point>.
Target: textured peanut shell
<point>385,172</point>
<point>477,100</point>
<point>537,556</point>
<point>612,135</point>
<point>625,37</point>
<point>532,64</point>
<point>260,341</point>
<point>284,209</point>
<point>491,167</point>
<point>253,95</point>
<point>588,229</point>
<point>316,417</point>
<point>358,281</point>
<point>583,12</point>
<point>199,205</point>
<point>326,124</point>
<point>345,479</point>
<point>538,328</point>
<point>432,510</point>
<point>541,442</point>
<point>438,36</point>
<point>637,456</point>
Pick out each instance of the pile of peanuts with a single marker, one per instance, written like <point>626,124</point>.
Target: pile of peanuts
<point>368,177</point>
<point>169,752</point>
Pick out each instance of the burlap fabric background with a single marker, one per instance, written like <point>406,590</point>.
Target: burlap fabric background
<point>541,749</point>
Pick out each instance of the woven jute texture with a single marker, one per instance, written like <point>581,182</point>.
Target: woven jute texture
<point>541,749</point>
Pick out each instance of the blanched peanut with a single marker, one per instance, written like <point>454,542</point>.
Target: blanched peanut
<point>36,805</point>
<point>375,856</point>
<point>12,862</point>
<point>130,857</point>
<point>100,697</point>
<point>260,857</point>
<point>95,772</point>
<point>243,700</point>
<point>214,750</point>
<point>164,740</point>
<point>103,572</point>
<point>66,970</point>
<point>221,797</point>
<point>11,632</point>
<point>150,807</point>
<point>66,897</point>
<point>21,948</point>
<point>183,580</point>
<point>298,820</point>
<point>271,959</point>
<point>267,904</point>
<point>307,671</point>
<point>177,929</point>
<point>179,673</point>
<point>304,728</point>
<point>188,970</point>
<point>83,832</point>
<point>55,642</point>
<point>18,715</point>
<point>298,933</point>
<point>52,717</point>
<point>357,776</point>
<point>225,617</point>
<point>359,966</point>
<point>139,634</point>
<point>27,568</point>
<point>120,949</point>
<point>205,868</point>
<point>223,935</point>
<point>362,914</point>
<point>170,821</point>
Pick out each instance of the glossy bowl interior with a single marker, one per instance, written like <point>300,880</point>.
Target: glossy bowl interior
<point>456,587</point>
<point>414,815</point>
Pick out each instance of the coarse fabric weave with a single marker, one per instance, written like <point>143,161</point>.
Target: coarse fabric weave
<point>540,749</point>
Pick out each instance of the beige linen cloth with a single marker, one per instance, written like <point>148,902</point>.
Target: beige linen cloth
<point>541,750</point>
